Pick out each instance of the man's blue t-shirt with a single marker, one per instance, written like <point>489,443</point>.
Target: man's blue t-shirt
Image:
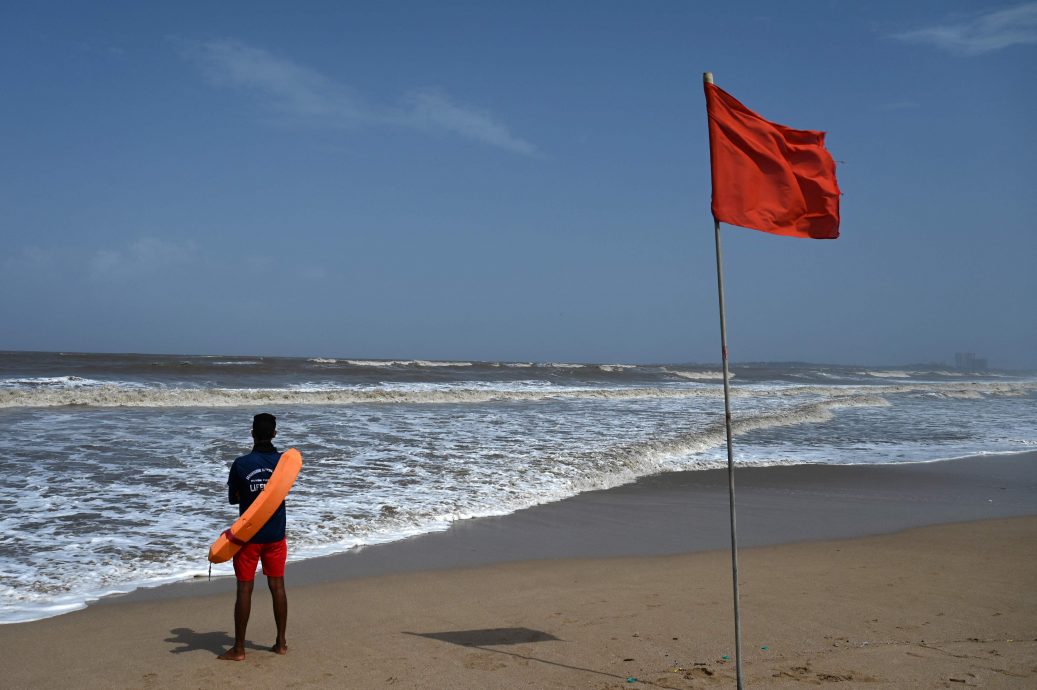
<point>248,476</point>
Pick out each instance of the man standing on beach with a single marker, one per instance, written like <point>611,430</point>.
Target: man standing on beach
<point>248,477</point>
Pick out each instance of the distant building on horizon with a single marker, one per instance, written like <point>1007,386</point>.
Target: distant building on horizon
<point>968,361</point>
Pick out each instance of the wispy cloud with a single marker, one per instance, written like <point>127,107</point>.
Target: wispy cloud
<point>138,262</point>
<point>285,86</point>
<point>983,33</point>
<point>308,96</point>
<point>145,258</point>
<point>430,109</point>
<point>109,50</point>
<point>31,261</point>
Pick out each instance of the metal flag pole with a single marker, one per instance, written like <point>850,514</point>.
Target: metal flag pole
<point>708,78</point>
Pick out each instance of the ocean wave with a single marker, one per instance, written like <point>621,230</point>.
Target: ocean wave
<point>36,383</point>
<point>624,464</point>
<point>955,389</point>
<point>117,396</point>
<point>401,363</point>
<point>47,382</point>
<point>698,375</point>
<point>322,360</point>
<point>111,395</point>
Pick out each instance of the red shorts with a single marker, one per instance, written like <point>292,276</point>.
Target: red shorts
<point>273,556</point>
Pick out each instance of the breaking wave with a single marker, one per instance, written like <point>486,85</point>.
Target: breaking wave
<point>398,363</point>
<point>52,382</point>
<point>97,394</point>
<point>627,463</point>
<point>118,396</point>
<point>698,375</point>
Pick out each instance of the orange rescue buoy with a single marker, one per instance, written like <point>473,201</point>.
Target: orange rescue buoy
<point>266,503</point>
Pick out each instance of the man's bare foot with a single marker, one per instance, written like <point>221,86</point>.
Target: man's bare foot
<point>280,648</point>
<point>232,654</point>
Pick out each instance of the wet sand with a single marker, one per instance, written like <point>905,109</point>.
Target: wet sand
<point>633,582</point>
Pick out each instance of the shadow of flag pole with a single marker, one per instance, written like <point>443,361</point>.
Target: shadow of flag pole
<point>708,79</point>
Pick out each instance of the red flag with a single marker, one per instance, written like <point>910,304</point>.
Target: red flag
<point>767,176</point>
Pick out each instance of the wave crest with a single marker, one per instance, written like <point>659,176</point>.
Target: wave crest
<point>117,396</point>
<point>111,395</point>
<point>699,375</point>
<point>627,463</point>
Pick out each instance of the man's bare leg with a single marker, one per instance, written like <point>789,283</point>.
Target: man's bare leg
<point>242,609</point>
<point>280,598</point>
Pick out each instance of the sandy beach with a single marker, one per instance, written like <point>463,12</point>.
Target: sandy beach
<point>911,576</point>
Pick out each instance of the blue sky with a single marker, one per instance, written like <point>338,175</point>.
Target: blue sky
<point>509,181</point>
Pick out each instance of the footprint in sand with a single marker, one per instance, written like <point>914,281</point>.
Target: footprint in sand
<point>483,662</point>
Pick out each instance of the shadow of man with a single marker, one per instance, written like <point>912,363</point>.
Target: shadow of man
<point>191,641</point>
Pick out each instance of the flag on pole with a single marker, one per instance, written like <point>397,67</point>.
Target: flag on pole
<point>768,176</point>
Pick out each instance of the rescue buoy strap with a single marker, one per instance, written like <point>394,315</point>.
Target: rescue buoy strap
<point>234,540</point>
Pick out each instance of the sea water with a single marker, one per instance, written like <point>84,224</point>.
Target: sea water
<point>115,466</point>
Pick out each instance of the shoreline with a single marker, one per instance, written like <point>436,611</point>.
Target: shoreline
<point>776,505</point>
<point>903,576</point>
<point>638,518</point>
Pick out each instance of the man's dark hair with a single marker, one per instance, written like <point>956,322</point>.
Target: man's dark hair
<point>263,426</point>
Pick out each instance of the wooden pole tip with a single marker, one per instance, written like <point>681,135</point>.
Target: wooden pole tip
<point>707,77</point>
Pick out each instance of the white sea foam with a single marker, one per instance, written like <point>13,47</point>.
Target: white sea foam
<point>58,384</point>
<point>650,457</point>
<point>403,363</point>
<point>49,382</point>
<point>954,389</point>
<point>381,472</point>
<point>698,375</point>
<point>323,360</point>
<point>313,394</point>
<point>110,395</point>
<point>402,495</point>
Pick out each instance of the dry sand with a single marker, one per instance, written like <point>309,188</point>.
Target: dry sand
<point>947,605</point>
